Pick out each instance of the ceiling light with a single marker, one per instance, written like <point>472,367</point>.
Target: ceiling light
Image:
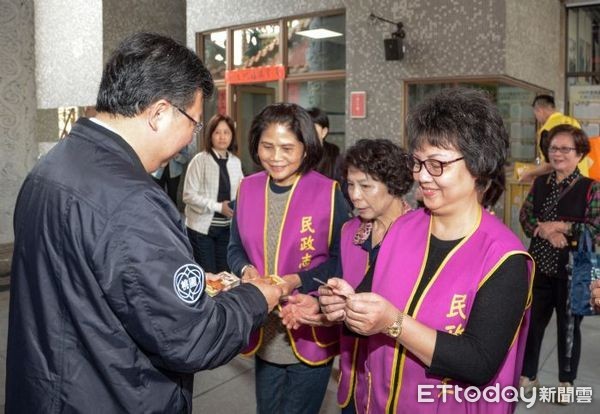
<point>319,33</point>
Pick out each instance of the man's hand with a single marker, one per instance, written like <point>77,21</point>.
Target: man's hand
<point>531,173</point>
<point>526,177</point>
<point>272,293</point>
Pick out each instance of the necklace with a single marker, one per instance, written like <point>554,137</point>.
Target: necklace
<point>366,227</point>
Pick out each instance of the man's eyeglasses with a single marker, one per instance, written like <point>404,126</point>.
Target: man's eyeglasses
<point>434,167</point>
<point>197,125</point>
<point>562,150</point>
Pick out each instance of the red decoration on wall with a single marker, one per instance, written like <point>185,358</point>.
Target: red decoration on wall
<point>221,101</point>
<point>255,75</point>
<point>358,104</point>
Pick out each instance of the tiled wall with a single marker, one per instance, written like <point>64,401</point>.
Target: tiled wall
<point>119,19</point>
<point>534,52</point>
<point>443,38</point>
<point>17,105</point>
<point>124,17</point>
<point>22,126</point>
<point>68,59</point>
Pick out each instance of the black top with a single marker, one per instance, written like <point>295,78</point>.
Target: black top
<point>475,356</point>
<point>330,163</point>
<point>224,192</point>
<point>557,201</point>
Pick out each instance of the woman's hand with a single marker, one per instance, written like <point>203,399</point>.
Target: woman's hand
<point>557,240</point>
<point>250,273</point>
<point>225,209</point>
<point>369,313</point>
<point>332,298</point>
<point>595,299</point>
<point>292,282</point>
<point>302,309</point>
<point>545,229</point>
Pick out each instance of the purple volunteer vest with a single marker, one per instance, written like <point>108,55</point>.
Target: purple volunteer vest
<point>352,349</point>
<point>303,243</point>
<point>391,378</point>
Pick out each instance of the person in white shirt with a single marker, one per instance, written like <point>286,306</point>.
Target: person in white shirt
<point>209,190</point>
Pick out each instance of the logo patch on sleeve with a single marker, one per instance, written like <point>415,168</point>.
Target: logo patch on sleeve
<point>188,283</point>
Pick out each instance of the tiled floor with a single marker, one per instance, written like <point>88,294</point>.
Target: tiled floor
<point>230,389</point>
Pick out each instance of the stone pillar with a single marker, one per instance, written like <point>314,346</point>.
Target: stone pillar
<point>18,147</point>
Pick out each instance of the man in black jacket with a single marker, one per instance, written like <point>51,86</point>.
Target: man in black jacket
<point>108,311</point>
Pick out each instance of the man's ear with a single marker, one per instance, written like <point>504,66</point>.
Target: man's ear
<point>156,113</point>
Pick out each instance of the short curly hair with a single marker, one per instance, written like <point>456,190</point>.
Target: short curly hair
<point>468,121</point>
<point>382,160</point>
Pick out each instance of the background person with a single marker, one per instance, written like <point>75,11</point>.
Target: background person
<point>168,177</point>
<point>544,110</point>
<point>378,179</point>
<point>287,223</point>
<point>107,306</point>
<point>445,274</point>
<point>558,204</point>
<point>210,187</point>
<point>329,165</point>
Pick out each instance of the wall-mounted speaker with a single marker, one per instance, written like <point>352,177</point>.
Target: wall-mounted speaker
<point>393,48</point>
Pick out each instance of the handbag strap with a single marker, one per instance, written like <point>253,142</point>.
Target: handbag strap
<point>546,211</point>
<point>569,188</point>
<point>585,239</point>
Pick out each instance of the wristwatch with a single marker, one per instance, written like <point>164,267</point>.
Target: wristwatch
<point>246,267</point>
<point>395,329</point>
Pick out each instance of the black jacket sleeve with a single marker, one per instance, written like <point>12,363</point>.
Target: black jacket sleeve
<point>139,258</point>
<point>236,255</point>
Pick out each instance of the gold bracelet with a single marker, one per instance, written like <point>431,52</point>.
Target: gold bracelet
<point>395,329</point>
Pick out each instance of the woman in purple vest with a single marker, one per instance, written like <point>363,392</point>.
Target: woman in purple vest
<point>448,309</point>
<point>287,222</point>
<point>557,207</point>
<point>378,178</point>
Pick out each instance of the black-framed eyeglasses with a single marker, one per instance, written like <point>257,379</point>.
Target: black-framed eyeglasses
<point>434,167</point>
<point>198,125</point>
<point>562,150</point>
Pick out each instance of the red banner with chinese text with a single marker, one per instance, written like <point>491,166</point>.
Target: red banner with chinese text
<point>255,75</point>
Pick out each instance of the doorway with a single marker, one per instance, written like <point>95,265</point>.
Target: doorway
<point>249,100</point>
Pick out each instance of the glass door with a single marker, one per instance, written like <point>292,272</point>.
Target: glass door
<point>249,100</point>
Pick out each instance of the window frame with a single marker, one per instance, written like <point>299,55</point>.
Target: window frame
<point>283,55</point>
<point>457,81</point>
